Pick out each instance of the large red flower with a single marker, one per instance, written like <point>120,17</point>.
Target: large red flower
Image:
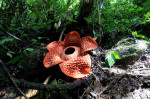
<point>70,56</point>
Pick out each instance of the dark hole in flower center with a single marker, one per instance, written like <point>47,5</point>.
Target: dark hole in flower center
<point>69,50</point>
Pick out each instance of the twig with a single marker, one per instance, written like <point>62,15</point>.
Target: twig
<point>22,40</point>
<point>60,38</point>
<point>86,90</point>
<point>14,83</point>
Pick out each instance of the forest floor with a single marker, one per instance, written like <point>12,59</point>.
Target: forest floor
<point>118,82</point>
<point>132,82</point>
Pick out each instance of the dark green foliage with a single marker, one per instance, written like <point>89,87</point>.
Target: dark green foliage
<point>119,17</point>
<point>31,21</point>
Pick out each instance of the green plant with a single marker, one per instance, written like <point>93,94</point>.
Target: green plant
<point>110,58</point>
<point>135,34</point>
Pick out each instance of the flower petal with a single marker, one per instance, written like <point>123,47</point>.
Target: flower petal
<point>88,43</point>
<point>72,39</point>
<point>53,57</point>
<point>54,44</point>
<point>76,68</point>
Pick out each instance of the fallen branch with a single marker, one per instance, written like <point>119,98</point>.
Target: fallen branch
<point>49,88</point>
<point>18,39</point>
<point>38,86</point>
<point>71,86</point>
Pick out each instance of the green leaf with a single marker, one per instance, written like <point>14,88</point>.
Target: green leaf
<point>88,20</point>
<point>25,53</point>
<point>94,32</point>
<point>127,21</point>
<point>95,38</point>
<point>131,9</point>
<point>116,21</point>
<point>148,20</point>
<point>123,20</point>
<point>9,54</point>
<point>135,34</point>
<point>139,9</point>
<point>147,15</point>
<point>29,49</point>
<point>20,66</point>
<point>54,82</point>
<point>34,40</point>
<point>10,94</point>
<point>25,35</point>
<point>135,6</point>
<point>6,39</point>
<point>115,54</point>
<point>15,59</point>
<point>110,59</point>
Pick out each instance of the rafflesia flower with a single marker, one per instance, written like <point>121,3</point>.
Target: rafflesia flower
<point>70,54</point>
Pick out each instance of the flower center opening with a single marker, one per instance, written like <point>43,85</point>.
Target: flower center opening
<point>69,50</point>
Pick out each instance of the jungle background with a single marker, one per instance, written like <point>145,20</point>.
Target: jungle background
<point>36,23</point>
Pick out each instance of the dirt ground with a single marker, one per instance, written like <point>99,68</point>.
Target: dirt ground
<point>126,82</point>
